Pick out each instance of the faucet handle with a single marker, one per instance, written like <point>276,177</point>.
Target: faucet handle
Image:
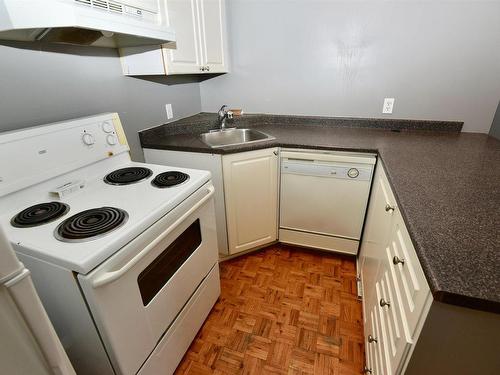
<point>230,115</point>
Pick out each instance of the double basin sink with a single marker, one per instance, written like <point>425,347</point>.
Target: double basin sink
<point>233,137</point>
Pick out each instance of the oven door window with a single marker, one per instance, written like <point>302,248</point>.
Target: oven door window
<point>157,274</point>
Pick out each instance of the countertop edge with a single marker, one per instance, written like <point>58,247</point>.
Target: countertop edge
<point>252,147</point>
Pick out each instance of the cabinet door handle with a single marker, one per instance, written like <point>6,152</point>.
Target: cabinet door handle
<point>275,153</point>
<point>207,68</point>
<point>367,370</point>
<point>396,260</point>
<point>383,303</point>
<point>372,339</point>
<point>202,68</point>
<point>389,208</point>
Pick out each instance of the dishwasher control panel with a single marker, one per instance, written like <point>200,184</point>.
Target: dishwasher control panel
<point>325,169</point>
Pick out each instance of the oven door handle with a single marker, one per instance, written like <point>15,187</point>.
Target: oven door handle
<point>109,277</point>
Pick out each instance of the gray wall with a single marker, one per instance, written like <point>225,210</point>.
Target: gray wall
<point>439,59</point>
<point>56,83</point>
<point>331,58</point>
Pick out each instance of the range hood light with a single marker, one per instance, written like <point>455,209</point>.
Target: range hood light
<point>107,34</point>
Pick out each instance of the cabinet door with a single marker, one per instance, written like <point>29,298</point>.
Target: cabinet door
<point>212,31</point>
<point>182,15</point>
<point>376,234</point>
<point>251,194</point>
<point>407,275</point>
<point>143,60</point>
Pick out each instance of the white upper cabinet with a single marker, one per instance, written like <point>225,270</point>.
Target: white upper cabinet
<point>211,21</point>
<point>183,17</point>
<point>200,34</point>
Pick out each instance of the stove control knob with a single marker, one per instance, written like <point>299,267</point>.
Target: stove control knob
<point>107,127</point>
<point>353,173</point>
<point>111,139</point>
<point>88,139</point>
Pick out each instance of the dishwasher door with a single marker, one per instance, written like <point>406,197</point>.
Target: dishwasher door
<point>323,199</point>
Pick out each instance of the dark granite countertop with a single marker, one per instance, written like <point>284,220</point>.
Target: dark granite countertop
<point>446,183</point>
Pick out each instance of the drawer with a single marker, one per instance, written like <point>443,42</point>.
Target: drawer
<point>408,277</point>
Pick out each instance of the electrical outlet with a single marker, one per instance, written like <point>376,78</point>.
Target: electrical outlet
<point>170,113</point>
<point>388,105</point>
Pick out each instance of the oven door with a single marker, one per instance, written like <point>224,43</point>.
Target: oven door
<point>136,294</point>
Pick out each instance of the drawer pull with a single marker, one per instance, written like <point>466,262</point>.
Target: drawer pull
<point>396,260</point>
<point>372,339</point>
<point>367,370</point>
<point>383,303</point>
<point>389,208</point>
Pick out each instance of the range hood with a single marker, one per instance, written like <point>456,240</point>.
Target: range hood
<point>100,23</point>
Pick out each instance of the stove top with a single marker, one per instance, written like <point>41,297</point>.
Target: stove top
<point>126,176</point>
<point>39,214</point>
<point>90,224</point>
<point>80,242</point>
<point>169,179</point>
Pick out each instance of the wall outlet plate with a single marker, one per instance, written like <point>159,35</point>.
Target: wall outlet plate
<point>170,113</point>
<point>388,105</point>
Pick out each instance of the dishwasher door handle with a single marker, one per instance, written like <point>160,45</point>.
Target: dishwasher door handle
<point>300,160</point>
<point>334,157</point>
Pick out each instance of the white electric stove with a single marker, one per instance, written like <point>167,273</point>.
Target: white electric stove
<point>123,254</point>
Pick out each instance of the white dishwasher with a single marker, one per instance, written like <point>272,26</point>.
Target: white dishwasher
<point>323,198</point>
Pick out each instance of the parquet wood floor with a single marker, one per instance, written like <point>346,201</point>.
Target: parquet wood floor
<point>282,310</point>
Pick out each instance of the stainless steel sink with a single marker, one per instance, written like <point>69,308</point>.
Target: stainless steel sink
<point>232,137</point>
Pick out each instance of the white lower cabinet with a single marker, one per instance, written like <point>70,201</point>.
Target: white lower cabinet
<point>395,293</point>
<point>246,193</point>
<point>251,196</point>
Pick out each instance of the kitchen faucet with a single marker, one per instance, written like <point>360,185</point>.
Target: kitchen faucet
<point>222,115</point>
